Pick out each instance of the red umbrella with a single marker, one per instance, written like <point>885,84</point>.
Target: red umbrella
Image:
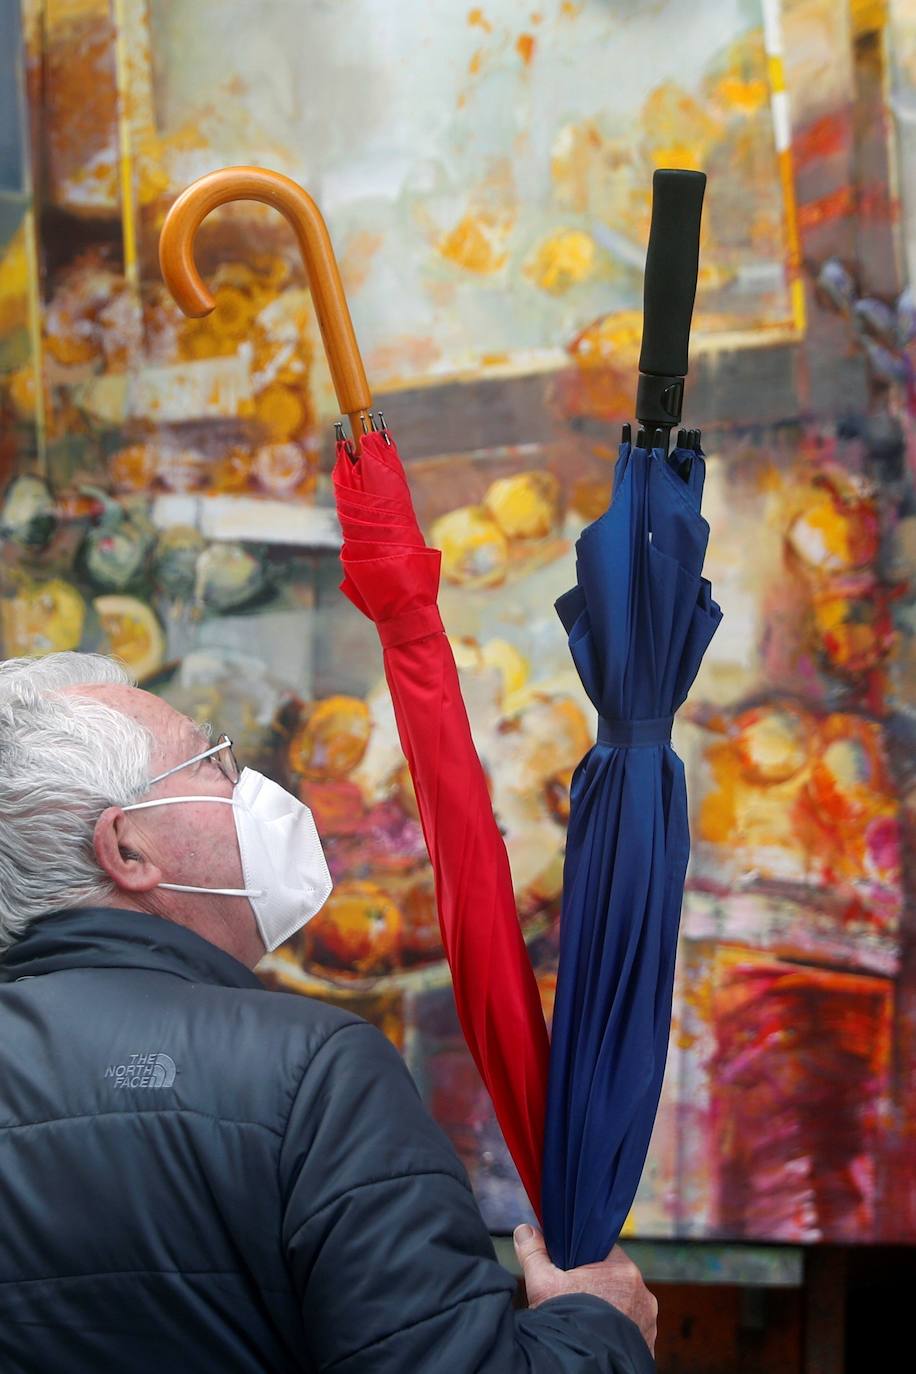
<point>393,578</point>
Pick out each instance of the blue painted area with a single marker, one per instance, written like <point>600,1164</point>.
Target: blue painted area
<point>12,132</point>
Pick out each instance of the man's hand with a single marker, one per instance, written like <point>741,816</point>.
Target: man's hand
<point>616,1280</point>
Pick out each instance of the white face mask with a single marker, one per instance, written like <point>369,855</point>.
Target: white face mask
<point>286,875</point>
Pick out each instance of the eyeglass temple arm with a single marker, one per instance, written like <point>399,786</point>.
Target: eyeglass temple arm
<point>224,742</point>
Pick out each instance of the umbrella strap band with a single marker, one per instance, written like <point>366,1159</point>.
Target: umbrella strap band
<point>629,733</point>
<point>417,624</point>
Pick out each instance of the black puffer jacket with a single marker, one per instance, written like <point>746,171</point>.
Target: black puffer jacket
<point>199,1175</point>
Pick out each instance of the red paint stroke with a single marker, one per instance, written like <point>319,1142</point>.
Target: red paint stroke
<point>837,205</point>
<point>875,202</point>
<point>825,137</point>
<point>797,1077</point>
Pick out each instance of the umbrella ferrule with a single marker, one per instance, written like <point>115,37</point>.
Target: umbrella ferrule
<point>383,429</point>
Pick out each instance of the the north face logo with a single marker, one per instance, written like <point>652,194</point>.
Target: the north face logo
<point>154,1070</point>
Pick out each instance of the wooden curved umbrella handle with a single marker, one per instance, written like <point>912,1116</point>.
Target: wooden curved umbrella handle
<point>179,270</point>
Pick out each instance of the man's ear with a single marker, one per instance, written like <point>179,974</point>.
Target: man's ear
<point>125,866</point>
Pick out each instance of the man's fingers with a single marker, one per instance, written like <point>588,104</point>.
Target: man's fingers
<point>532,1256</point>
<point>528,1242</point>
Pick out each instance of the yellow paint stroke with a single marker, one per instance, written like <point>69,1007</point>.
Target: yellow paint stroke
<point>848,631</point>
<point>474,548</point>
<point>563,261</point>
<point>778,92</point>
<point>232,313</point>
<point>775,73</point>
<point>132,633</point>
<point>744,97</point>
<point>827,530</point>
<point>477,19</point>
<point>611,340</point>
<point>818,790</point>
<point>125,154</point>
<point>628,1229</point>
<point>793,241</point>
<point>679,129</point>
<point>280,411</point>
<point>512,665</point>
<point>830,530</point>
<point>867,16</point>
<point>758,773</point>
<point>769,479</point>
<point>43,618</point>
<point>474,244</point>
<point>526,506</point>
<point>14,283</point>
<point>333,739</point>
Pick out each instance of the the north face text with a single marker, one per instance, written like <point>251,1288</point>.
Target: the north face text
<point>153,1070</point>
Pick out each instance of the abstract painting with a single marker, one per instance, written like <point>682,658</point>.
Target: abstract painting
<point>485,172</point>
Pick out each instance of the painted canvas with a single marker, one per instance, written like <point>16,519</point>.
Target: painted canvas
<point>486,176</point>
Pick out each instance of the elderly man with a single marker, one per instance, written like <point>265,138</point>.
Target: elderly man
<point>198,1174</point>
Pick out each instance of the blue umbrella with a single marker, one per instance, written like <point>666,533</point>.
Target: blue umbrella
<point>639,621</point>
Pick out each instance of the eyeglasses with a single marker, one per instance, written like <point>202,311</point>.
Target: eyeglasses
<point>221,753</point>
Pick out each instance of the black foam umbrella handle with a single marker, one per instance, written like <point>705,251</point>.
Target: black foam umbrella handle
<point>670,286</point>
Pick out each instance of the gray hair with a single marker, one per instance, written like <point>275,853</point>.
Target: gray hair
<point>63,759</point>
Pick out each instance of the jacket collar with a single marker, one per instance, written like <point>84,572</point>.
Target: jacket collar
<point>110,937</point>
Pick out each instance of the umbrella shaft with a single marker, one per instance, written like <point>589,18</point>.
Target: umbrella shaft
<point>359,425</point>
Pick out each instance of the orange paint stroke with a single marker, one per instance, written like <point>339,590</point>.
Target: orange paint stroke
<point>742,96</point>
<point>837,205</point>
<point>476,244</point>
<point>356,263</point>
<point>477,19</point>
<point>525,45</point>
<point>820,791</point>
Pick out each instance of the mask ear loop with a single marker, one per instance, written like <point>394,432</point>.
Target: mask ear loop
<point>173,801</point>
<point>183,887</point>
<point>218,891</point>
